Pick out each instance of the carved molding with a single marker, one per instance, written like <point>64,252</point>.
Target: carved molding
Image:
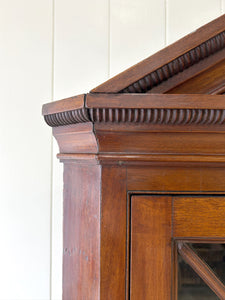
<point>178,65</point>
<point>136,115</point>
<point>67,117</point>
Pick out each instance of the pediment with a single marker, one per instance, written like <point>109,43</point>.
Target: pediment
<point>194,64</point>
<point>167,109</point>
<point>182,85</point>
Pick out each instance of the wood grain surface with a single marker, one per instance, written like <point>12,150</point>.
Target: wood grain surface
<point>67,104</point>
<point>181,179</point>
<point>113,232</point>
<point>81,232</point>
<point>186,101</point>
<point>199,217</point>
<point>151,264</point>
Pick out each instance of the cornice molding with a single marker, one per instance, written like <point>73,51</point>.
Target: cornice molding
<point>138,109</point>
<point>135,115</point>
<point>75,116</point>
<point>159,116</point>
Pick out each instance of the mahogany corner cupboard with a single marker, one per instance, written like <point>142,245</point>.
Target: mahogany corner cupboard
<point>144,177</point>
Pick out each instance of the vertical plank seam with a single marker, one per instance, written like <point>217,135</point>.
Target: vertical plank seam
<point>166,22</point>
<point>51,176</point>
<point>109,38</point>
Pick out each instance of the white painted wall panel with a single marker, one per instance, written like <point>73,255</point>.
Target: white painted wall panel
<point>25,149</point>
<point>57,226</point>
<point>137,30</point>
<point>222,6</point>
<point>81,46</point>
<point>184,16</point>
<point>80,63</point>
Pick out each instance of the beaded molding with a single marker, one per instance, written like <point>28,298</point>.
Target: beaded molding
<point>136,115</point>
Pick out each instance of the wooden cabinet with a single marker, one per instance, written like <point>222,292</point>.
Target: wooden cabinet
<point>144,177</point>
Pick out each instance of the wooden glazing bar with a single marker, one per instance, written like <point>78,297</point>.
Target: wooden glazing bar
<point>202,269</point>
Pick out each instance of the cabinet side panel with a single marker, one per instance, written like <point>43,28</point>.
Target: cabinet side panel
<point>81,231</point>
<point>150,248</point>
<point>113,233</point>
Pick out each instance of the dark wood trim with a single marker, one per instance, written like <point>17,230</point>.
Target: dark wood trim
<point>194,70</point>
<point>154,101</point>
<point>201,240</point>
<point>206,82</point>
<point>68,117</point>
<point>151,249</point>
<point>159,116</point>
<point>186,180</point>
<point>174,271</point>
<point>113,233</point>
<point>149,158</point>
<point>202,269</point>
<point>142,109</point>
<point>147,116</point>
<point>76,138</point>
<point>81,232</point>
<point>72,103</point>
<point>205,214</point>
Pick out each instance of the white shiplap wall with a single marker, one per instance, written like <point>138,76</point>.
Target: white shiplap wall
<point>137,30</point>
<point>52,49</point>
<point>184,16</point>
<point>25,149</point>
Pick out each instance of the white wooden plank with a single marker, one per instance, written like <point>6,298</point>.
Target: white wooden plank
<point>81,46</point>
<point>222,6</point>
<point>57,226</point>
<point>137,30</point>
<point>25,149</point>
<point>80,63</point>
<point>185,16</point>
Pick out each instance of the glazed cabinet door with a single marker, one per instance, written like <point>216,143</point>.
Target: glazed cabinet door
<point>177,247</point>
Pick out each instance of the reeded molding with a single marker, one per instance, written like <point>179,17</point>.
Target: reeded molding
<point>67,117</point>
<point>159,116</point>
<point>135,108</point>
<point>135,115</point>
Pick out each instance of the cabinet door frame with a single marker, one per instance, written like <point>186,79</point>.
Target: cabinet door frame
<point>174,240</point>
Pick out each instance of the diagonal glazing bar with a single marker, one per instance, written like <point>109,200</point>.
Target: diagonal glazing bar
<point>202,269</point>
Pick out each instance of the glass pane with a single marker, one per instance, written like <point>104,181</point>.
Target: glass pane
<point>190,285</point>
<point>214,256</point>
